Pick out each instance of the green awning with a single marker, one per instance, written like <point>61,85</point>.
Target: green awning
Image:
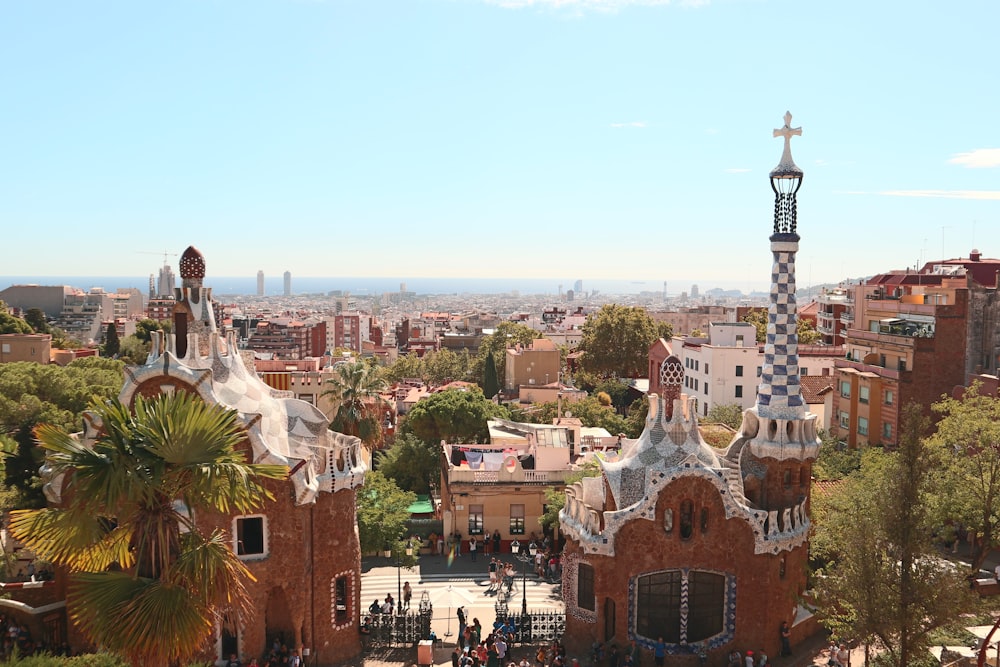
<point>423,505</point>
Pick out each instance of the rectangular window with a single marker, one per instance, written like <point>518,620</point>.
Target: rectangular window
<point>706,368</point>
<point>739,391</point>
<point>658,606</point>
<point>862,394</point>
<point>804,371</point>
<point>340,611</point>
<point>902,364</point>
<point>739,340</point>
<point>889,396</point>
<point>517,519</point>
<point>887,431</point>
<point>706,605</point>
<point>706,389</point>
<point>695,384</point>
<point>696,364</point>
<point>475,519</point>
<point>759,371</point>
<point>251,536</point>
<point>585,587</point>
<point>739,371</point>
<point>845,420</point>
<point>862,426</point>
<point>845,388</point>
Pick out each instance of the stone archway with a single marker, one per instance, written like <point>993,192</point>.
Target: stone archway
<point>278,624</point>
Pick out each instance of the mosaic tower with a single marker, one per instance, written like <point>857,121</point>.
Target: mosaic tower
<point>786,429</point>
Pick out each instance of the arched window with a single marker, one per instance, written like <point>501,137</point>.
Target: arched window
<point>704,519</point>
<point>681,606</point>
<point>687,519</point>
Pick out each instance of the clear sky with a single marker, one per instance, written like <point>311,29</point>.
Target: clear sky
<point>484,138</point>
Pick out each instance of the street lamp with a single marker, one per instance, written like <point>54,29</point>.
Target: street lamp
<point>525,558</point>
<point>399,576</point>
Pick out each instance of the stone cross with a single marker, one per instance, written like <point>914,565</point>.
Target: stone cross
<point>788,132</point>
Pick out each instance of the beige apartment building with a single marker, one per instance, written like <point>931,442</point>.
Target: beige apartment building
<point>535,365</point>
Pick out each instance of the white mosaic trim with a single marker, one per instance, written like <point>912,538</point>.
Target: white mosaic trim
<point>571,572</point>
<point>352,581</point>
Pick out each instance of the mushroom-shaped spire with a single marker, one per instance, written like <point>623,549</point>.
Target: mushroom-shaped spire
<point>192,267</point>
<point>786,179</point>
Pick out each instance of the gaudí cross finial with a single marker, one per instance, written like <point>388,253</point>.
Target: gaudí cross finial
<point>787,164</point>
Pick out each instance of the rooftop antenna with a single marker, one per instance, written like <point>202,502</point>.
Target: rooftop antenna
<point>164,253</point>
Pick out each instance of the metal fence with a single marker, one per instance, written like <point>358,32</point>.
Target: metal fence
<point>535,626</point>
<point>380,630</point>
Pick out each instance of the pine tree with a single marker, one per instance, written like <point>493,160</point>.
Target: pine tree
<point>491,384</point>
<point>112,345</point>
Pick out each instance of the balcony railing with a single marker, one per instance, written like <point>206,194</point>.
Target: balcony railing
<point>504,476</point>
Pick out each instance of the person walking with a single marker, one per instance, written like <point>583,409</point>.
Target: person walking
<point>472,548</point>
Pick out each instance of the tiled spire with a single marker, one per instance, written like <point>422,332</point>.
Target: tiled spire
<point>779,395</point>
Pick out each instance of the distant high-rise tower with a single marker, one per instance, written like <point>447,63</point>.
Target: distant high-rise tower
<point>694,291</point>
<point>560,291</point>
<point>152,287</point>
<point>664,290</point>
<point>260,283</point>
<point>288,283</point>
<point>578,287</point>
<point>165,285</point>
<point>402,288</point>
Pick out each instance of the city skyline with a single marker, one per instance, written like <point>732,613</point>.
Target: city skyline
<point>546,139</point>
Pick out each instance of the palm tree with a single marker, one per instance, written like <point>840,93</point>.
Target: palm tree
<point>355,389</point>
<point>145,582</point>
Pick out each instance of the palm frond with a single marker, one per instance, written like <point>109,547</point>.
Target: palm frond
<point>77,540</point>
<point>149,622</point>
<point>209,568</point>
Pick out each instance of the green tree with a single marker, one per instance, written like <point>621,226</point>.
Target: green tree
<point>664,330</point>
<point>358,407</point>
<point>12,325</point>
<point>407,366</point>
<point>146,583</point>
<point>491,384</point>
<point>444,366</point>
<point>616,340</point>
<point>144,329</point>
<point>883,577</point>
<point>805,329</point>
<point>729,414</point>
<point>968,439</point>
<point>133,351</point>
<point>383,510</point>
<point>31,394</point>
<point>412,464</point>
<point>112,344</point>
<point>835,460</point>
<point>454,415</point>
<point>35,317</point>
<point>635,420</point>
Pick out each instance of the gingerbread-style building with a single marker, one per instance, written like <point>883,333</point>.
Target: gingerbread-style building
<point>302,547</point>
<point>704,547</point>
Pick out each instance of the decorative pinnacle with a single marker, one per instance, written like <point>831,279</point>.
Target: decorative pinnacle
<point>787,168</point>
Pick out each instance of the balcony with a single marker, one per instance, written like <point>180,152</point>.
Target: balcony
<point>517,476</point>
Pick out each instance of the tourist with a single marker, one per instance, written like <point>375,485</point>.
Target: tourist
<point>407,595</point>
<point>786,639</point>
<point>659,652</point>
<point>496,541</point>
<point>472,548</point>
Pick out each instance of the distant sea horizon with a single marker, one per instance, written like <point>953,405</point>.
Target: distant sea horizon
<point>362,286</point>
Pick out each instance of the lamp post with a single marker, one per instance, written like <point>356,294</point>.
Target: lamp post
<point>399,575</point>
<point>525,558</point>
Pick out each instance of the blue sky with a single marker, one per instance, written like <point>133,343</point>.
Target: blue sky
<point>476,138</point>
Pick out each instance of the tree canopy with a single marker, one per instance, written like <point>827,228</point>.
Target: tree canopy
<point>968,441</point>
<point>31,394</point>
<point>412,464</point>
<point>454,415</point>
<point>12,325</point>
<point>112,344</point>
<point>358,408</point>
<point>383,510</point>
<point>805,329</point>
<point>616,340</point>
<point>882,577</point>
<point>146,582</point>
<point>729,414</point>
